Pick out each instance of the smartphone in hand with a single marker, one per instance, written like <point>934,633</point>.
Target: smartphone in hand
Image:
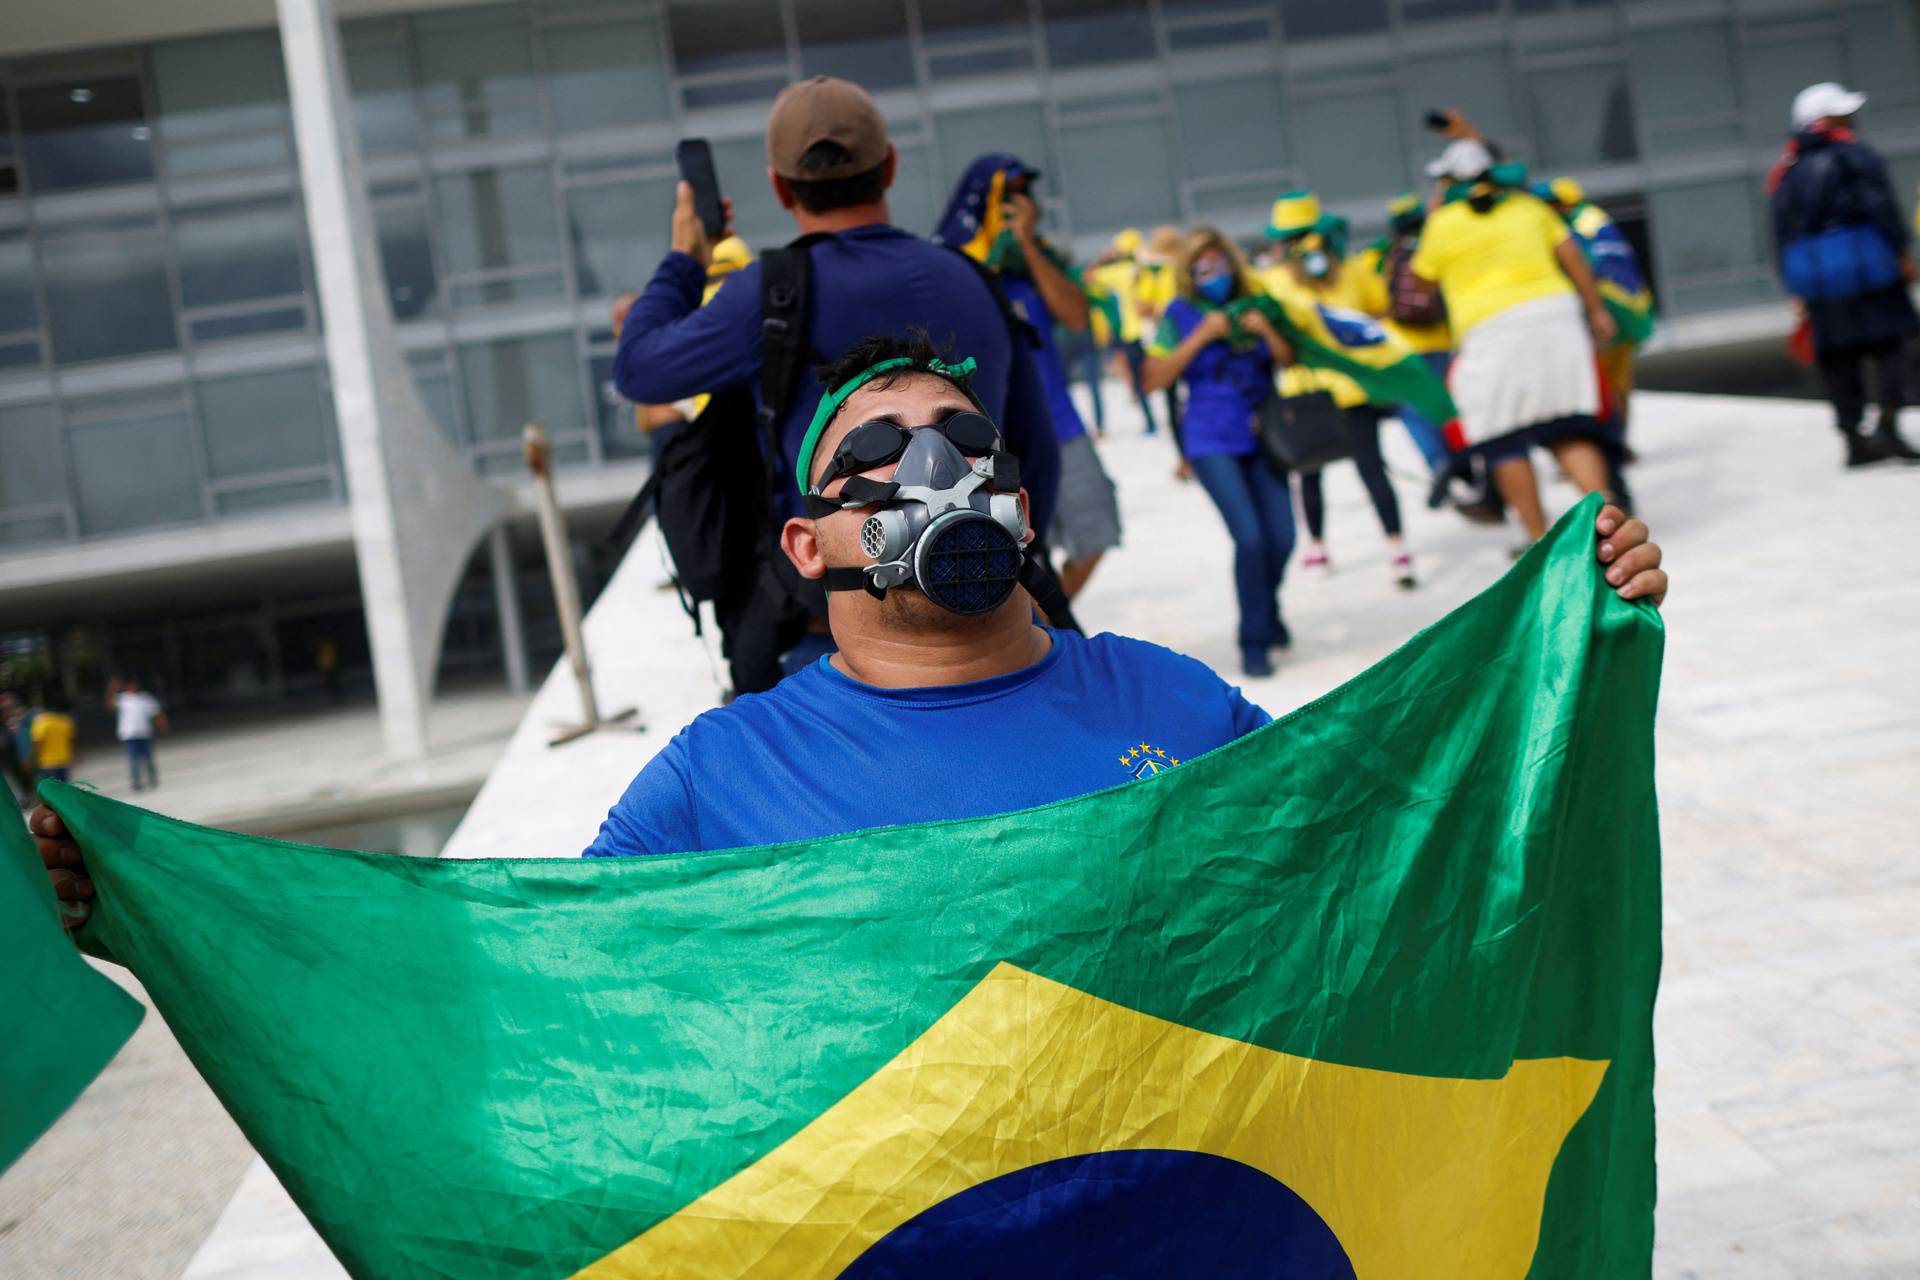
<point>695,159</point>
<point>1439,121</point>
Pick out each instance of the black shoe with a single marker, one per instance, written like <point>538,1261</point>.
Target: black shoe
<point>1888,441</point>
<point>1864,451</point>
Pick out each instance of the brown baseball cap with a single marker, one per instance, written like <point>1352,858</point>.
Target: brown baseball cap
<point>824,109</point>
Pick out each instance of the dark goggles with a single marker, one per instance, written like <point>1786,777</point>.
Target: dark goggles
<point>876,444</point>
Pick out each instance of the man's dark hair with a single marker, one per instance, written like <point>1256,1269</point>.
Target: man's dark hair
<point>915,345</point>
<point>823,195</point>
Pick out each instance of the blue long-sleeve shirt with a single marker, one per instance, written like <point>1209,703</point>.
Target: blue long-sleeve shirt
<point>867,280</point>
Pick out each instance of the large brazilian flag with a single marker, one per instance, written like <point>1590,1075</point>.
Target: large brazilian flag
<point>1352,343</point>
<point>1367,993</point>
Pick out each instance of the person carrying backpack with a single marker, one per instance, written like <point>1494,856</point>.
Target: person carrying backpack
<point>1843,254</point>
<point>850,274</point>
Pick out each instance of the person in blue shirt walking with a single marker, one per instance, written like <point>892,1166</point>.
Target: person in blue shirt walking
<point>831,165</point>
<point>890,728</point>
<point>994,219</point>
<point>1228,366</point>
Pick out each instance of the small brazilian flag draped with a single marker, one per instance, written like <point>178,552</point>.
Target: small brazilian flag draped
<point>1353,343</point>
<point>1367,993</point>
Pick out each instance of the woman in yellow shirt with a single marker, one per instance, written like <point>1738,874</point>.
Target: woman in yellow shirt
<point>1311,273</point>
<point>1526,314</point>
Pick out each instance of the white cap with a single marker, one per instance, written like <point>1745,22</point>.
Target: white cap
<point>1463,159</point>
<point>1818,101</point>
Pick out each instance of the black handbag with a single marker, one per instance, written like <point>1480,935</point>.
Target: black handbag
<point>1304,432</point>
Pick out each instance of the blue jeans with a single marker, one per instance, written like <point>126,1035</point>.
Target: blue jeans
<point>1427,437</point>
<point>1254,501</point>
<point>139,752</point>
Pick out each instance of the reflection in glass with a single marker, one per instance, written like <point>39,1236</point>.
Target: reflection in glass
<point>135,473</point>
<point>1230,126</point>
<point>1306,19</point>
<point>515,381</point>
<point>106,290</point>
<point>860,40</point>
<point>223,103</point>
<point>607,74</point>
<point>1350,144</point>
<point>498,218</point>
<point>1118,175</point>
<point>1582,115</point>
<point>31,471</point>
<point>476,72</point>
<point>382,99</point>
<point>19,313</point>
<point>406,254</point>
<point>726,35</point>
<point>238,252</point>
<point>85,133</point>
<point>1085,32</point>
<point>619,234</point>
<point>263,422</point>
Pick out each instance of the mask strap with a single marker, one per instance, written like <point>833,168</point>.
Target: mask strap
<point>859,491</point>
<point>852,580</point>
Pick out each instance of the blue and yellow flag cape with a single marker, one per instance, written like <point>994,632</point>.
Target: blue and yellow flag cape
<point>1616,272</point>
<point>1367,993</point>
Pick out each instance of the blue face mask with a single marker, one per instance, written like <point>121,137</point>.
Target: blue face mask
<point>1217,289</point>
<point>1317,263</point>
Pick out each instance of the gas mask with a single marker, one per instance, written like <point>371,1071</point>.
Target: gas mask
<point>949,523</point>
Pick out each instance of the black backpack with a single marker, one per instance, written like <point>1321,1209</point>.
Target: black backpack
<point>716,507</point>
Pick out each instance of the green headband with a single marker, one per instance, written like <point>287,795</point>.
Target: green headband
<point>830,403</point>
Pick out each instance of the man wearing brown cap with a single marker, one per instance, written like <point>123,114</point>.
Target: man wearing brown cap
<point>830,165</point>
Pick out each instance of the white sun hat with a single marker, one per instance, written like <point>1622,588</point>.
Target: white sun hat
<point>1818,101</point>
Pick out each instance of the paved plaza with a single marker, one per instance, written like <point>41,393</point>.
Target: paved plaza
<point>1788,1029</point>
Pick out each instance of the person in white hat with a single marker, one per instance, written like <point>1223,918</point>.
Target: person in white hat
<point>1843,249</point>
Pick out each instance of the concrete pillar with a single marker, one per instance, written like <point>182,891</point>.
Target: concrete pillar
<point>506,601</point>
<point>417,508</point>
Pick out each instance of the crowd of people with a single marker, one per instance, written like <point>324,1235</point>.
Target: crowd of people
<point>1495,318</point>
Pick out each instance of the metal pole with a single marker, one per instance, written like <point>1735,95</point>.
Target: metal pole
<point>566,590</point>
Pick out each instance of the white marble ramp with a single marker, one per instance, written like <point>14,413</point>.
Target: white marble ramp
<point>1789,1027</point>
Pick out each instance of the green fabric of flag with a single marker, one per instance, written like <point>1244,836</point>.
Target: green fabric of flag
<point>61,1021</point>
<point>1395,954</point>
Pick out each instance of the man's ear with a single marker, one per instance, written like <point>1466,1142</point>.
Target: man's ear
<point>782,189</point>
<point>1026,517</point>
<point>801,541</point>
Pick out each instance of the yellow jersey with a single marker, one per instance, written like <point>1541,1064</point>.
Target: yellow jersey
<point>1299,379</point>
<point>52,740</point>
<point>1118,280</point>
<point>1486,263</point>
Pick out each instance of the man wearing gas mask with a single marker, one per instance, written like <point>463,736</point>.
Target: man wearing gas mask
<point>947,697</point>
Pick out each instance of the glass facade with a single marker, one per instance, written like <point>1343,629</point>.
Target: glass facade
<point>160,353</point>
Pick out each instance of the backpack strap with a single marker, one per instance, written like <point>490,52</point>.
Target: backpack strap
<point>786,281</point>
<point>1018,326</point>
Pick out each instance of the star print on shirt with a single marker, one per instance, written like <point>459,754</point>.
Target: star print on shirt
<point>1144,760</point>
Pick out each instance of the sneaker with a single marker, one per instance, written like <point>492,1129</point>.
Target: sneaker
<point>1255,662</point>
<point>1316,558</point>
<point>1403,571</point>
<point>1865,451</point>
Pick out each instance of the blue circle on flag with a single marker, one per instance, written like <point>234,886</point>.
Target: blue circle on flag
<point>1116,1215</point>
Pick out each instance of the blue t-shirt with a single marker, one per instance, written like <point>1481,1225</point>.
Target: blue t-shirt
<point>1225,386</point>
<point>1025,296</point>
<point>820,753</point>
<point>866,280</point>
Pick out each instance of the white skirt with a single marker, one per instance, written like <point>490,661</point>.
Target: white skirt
<point>1531,364</point>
